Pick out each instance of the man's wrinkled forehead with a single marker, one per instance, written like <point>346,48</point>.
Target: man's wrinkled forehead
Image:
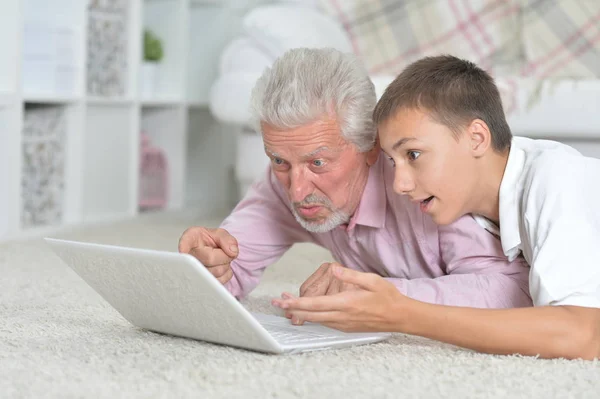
<point>311,139</point>
<point>326,124</point>
<point>311,154</point>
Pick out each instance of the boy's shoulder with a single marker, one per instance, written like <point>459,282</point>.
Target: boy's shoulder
<point>554,170</point>
<point>547,161</point>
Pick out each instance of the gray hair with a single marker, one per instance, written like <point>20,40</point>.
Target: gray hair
<point>304,84</point>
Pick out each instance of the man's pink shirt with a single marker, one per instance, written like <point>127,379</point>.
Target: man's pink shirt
<point>460,264</point>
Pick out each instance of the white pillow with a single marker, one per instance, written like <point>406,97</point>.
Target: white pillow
<point>279,27</point>
<point>242,55</point>
<point>229,99</point>
<point>381,82</point>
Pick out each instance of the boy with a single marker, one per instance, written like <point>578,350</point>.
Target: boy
<point>442,125</point>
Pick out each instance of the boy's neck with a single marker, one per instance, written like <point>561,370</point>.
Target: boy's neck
<point>487,204</point>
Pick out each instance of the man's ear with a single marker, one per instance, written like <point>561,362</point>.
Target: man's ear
<point>373,153</point>
<point>480,137</point>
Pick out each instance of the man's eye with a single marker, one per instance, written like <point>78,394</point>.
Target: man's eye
<point>318,162</point>
<point>413,155</point>
<point>278,161</point>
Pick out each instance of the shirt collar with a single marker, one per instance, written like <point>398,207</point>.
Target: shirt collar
<point>371,209</point>
<point>510,192</point>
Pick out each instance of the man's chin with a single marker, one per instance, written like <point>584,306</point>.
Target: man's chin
<point>321,224</point>
<point>314,227</point>
<point>316,220</point>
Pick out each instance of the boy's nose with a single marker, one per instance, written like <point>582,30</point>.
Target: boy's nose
<point>403,182</point>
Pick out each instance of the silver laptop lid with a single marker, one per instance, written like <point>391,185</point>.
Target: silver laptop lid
<point>167,292</point>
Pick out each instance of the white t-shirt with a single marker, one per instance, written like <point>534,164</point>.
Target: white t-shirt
<point>550,212</point>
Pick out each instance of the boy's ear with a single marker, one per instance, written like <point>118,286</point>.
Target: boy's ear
<point>480,137</point>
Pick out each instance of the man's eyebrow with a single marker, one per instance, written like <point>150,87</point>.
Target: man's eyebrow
<point>401,142</point>
<point>273,154</point>
<point>315,152</point>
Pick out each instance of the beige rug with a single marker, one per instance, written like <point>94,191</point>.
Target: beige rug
<point>59,339</point>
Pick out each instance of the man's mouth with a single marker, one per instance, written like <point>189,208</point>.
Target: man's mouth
<point>309,211</point>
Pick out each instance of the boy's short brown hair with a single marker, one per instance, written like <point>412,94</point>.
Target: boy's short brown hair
<point>453,91</point>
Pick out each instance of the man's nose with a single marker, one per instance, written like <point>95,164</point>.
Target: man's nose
<point>300,184</point>
<point>403,181</point>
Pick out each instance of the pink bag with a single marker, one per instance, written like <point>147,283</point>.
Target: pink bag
<point>154,180</point>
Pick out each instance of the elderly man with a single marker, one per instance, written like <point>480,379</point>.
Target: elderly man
<point>328,184</point>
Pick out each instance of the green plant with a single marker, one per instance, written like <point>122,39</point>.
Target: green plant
<point>153,51</point>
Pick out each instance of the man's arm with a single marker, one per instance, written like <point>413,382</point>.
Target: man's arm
<point>478,273</point>
<point>493,291</point>
<point>265,229</point>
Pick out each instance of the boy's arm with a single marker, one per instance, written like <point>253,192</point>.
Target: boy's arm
<point>548,331</point>
<point>265,229</point>
<point>478,273</point>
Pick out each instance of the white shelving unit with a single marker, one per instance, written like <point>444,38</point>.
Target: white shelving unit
<point>71,112</point>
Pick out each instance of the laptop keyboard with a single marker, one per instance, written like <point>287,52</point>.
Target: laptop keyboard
<point>291,334</point>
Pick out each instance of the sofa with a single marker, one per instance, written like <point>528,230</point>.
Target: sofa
<point>544,55</point>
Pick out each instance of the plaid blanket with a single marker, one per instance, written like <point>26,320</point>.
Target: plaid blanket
<point>525,38</point>
<point>561,38</point>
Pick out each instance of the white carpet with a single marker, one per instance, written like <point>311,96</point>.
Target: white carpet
<point>58,338</point>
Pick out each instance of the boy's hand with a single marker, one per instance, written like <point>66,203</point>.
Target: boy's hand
<point>376,305</point>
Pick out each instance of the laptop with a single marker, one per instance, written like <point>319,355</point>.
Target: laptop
<point>173,293</point>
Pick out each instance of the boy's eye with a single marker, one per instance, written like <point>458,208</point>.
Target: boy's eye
<point>413,155</point>
<point>318,162</point>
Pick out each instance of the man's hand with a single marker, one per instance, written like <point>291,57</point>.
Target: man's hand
<point>323,282</point>
<point>215,248</point>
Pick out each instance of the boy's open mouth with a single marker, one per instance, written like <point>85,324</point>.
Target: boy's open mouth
<point>425,205</point>
<point>426,200</point>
